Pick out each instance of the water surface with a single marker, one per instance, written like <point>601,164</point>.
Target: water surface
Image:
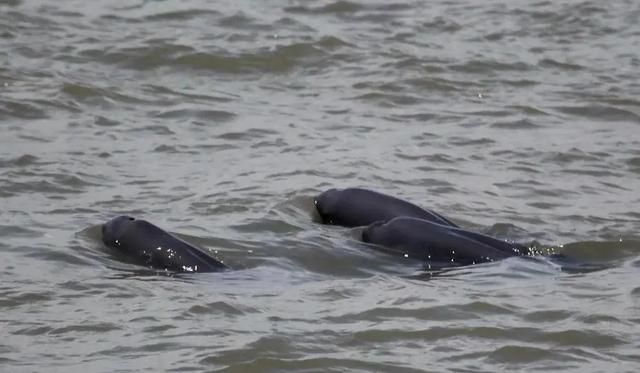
<point>221,120</point>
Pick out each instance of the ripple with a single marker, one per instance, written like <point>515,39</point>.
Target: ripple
<point>22,110</point>
<point>182,95</point>
<point>13,299</point>
<point>18,231</point>
<point>282,59</point>
<point>106,122</point>
<point>57,256</point>
<point>312,364</point>
<point>170,149</point>
<point>250,134</point>
<point>81,91</point>
<point>547,316</point>
<point>222,120</point>
<point>39,187</point>
<point>546,205</point>
<point>463,141</point>
<point>89,328</point>
<point>436,84</point>
<point>591,172</point>
<point>21,161</point>
<point>547,62</point>
<point>485,67</point>
<point>529,110</point>
<point>155,129</point>
<point>33,330</point>
<point>527,354</point>
<point>243,21</point>
<point>522,124</point>
<point>441,24</point>
<point>433,334</point>
<point>279,59</point>
<point>336,7</point>
<point>599,112</point>
<point>182,15</point>
<point>209,115</point>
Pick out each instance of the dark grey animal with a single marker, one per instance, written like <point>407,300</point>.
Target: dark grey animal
<point>354,207</point>
<point>149,245</point>
<point>438,244</point>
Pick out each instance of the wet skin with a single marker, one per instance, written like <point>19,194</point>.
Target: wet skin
<point>436,243</point>
<point>354,207</point>
<point>149,245</point>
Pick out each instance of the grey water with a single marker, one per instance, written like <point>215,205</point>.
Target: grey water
<point>220,120</point>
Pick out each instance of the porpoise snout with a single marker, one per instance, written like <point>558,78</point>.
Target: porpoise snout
<point>323,204</point>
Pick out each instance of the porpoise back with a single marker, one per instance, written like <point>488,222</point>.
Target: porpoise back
<point>430,242</point>
<point>354,207</point>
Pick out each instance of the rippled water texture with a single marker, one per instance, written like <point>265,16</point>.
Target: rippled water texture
<point>221,120</point>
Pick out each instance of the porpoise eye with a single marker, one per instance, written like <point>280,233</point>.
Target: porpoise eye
<point>131,219</point>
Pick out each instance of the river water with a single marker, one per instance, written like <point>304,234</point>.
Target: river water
<point>220,121</point>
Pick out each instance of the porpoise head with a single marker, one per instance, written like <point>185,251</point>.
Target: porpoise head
<point>326,203</point>
<point>114,229</point>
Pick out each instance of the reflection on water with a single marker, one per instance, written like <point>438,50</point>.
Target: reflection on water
<point>219,121</point>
